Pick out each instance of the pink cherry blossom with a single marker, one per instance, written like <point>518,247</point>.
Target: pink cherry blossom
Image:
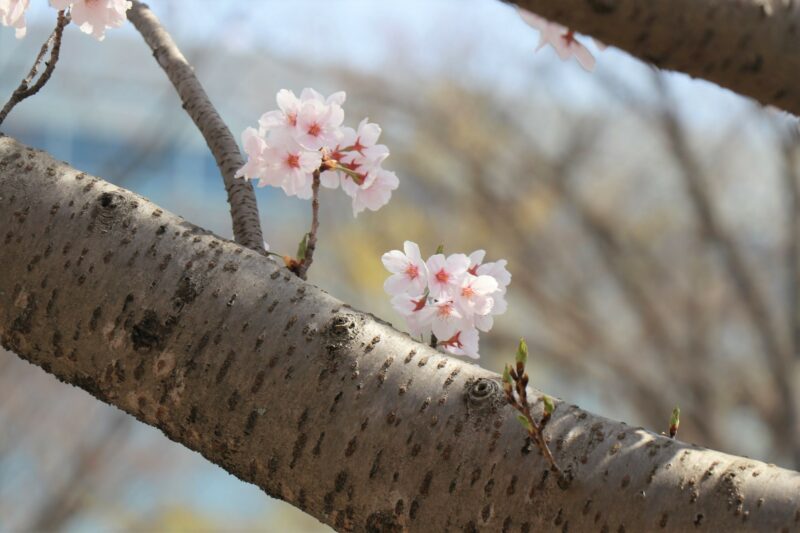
<point>459,295</point>
<point>562,39</point>
<point>255,147</point>
<point>463,342</point>
<point>474,297</point>
<point>409,272</point>
<point>12,14</point>
<point>95,16</point>
<point>413,309</point>
<point>308,131</point>
<point>374,192</point>
<point>444,274</point>
<point>291,166</point>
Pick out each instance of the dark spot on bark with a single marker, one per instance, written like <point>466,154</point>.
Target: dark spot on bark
<point>699,519</point>
<point>226,365</point>
<point>384,521</point>
<point>150,333</point>
<point>98,311</point>
<point>603,7</point>
<point>107,200</point>
<point>352,446</point>
<point>487,489</point>
<point>297,449</point>
<point>259,380</point>
<point>341,480</point>
<point>252,418</point>
<point>317,447</point>
<point>412,512</point>
<point>138,372</point>
<point>373,471</point>
<point>486,512</point>
<point>233,400</point>
<point>425,487</point>
<point>161,229</point>
<point>625,481</point>
<point>512,486</point>
<point>663,521</point>
<point>470,527</point>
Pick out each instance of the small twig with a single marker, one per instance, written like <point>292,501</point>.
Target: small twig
<point>25,89</point>
<point>311,242</point>
<point>220,141</point>
<point>515,379</point>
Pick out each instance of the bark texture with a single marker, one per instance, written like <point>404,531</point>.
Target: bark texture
<point>748,46</point>
<point>242,199</point>
<point>319,404</point>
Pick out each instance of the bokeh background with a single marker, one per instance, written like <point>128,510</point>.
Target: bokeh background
<point>650,222</point>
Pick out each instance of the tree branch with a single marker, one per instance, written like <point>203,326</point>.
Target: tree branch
<point>318,404</point>
<point>241,197</point>
<point>25,89</point>
<point>748,46</point>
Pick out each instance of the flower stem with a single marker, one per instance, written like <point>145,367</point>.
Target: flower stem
<point>305,263</point>
<point>25,89</point>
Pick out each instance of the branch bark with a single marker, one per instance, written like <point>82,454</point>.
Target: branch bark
<point>748,46</point>
<point>241,197</point>
<point>319,404</point>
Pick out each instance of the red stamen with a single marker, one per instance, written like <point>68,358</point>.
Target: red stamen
<point>442,276</point>
<point>293,161</point>
<point>453,341</point>
<point>314,130</point>
<point>412,271</point>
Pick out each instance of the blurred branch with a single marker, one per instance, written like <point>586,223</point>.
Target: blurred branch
<point>66,500</point>
<point>747,46</point>
<point>241,197</point>
<point>25,89</point>
<point>744,279</point>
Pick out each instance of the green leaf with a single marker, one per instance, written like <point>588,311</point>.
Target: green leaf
<point>440,249</point>
<point>525,422</point>
<point>301,248</point>
<point>549,406</point>
<point>522,352</point>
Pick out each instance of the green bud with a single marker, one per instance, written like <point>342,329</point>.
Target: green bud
<point>525,422</point>
<point>440,249</point>
<point>506,375</point>
<point>522,352</point>
<point>675,419</point>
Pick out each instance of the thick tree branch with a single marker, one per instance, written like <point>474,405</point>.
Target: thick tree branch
<point>748,46</point>
<point>242,199</point>
<point>321,405</point>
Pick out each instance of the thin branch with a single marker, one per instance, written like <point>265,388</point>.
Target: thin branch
<point>311,243</point>
<point>25,89</point>
<point>241,197</point>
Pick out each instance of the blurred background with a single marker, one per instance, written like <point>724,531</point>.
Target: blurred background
<point>651,224</point>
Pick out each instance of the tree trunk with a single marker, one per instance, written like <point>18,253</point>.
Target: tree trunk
<point>748,46</point>
<point>321,405</point>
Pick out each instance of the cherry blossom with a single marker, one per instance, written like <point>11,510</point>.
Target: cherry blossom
<point>12,14</point>
<point>450,297</point>
<point>562,40</point>
<point>95,16</point>
<point>312,124</point>
<point>444,274</point>
<point>409,272</point>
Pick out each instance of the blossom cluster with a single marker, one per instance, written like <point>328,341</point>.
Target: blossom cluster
<point>452,297</point>
<point>304,136</point>
<point>562,40</point>
<point>93,16</point>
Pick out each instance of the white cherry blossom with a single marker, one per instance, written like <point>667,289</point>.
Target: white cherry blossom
<point>409,272</point>
<point>95,16</point>
<point>12,14</point>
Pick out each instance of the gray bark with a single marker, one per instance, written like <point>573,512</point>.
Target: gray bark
<point>748,46</point>
<point>318,404</point>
